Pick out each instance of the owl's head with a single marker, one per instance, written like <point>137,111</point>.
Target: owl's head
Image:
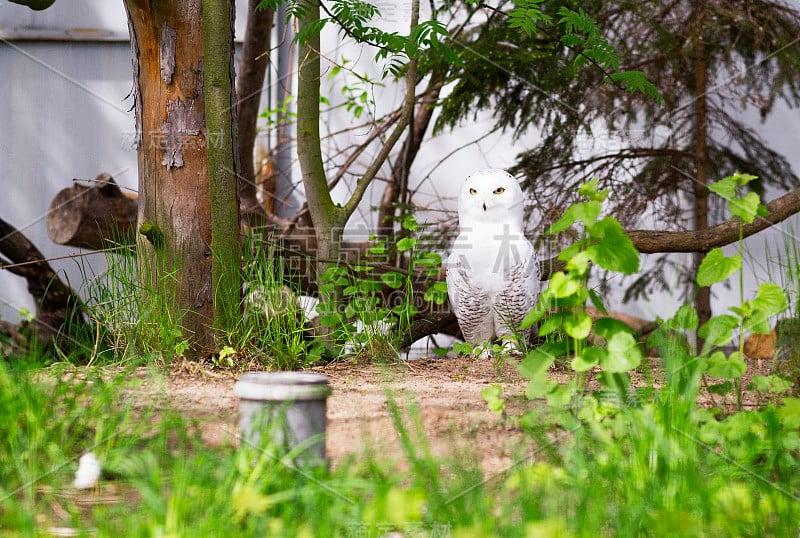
<point>491,195</point>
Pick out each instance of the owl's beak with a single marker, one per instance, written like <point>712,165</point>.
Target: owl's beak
<point>484,206</point>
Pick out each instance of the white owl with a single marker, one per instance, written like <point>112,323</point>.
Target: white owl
<point>492,270</point>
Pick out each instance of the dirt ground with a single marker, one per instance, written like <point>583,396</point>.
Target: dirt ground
<point>446,392</point>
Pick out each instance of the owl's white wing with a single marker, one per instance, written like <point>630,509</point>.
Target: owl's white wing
<point>472,307</point>
<point>519,294</point>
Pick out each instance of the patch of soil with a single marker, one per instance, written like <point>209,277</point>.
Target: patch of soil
<point>444,392</point>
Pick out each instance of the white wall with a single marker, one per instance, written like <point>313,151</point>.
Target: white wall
<point>64,115</point>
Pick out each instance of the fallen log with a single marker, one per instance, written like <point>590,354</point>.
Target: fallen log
<point>92,217</point>
<point>57,305</point>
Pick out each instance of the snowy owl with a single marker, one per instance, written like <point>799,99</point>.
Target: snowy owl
<point>492,271</point>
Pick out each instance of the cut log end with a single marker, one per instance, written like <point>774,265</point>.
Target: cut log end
<point>92,217</point>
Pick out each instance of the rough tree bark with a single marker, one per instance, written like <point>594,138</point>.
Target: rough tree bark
<point>223,161</point>
<point>174,198</point>
<point>255,59</point>
<point>699,188</point>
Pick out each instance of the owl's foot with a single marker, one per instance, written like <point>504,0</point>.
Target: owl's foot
<point>511,347</point>
<point>483,351</point>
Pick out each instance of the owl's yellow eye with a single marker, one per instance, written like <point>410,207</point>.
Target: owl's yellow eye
<point>499,190</point>
<point>473,191</point>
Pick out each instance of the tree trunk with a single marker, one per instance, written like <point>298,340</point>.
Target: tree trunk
<point>255,59</point>
<point>223,161</point>
<point>174,198</point>
<point>699,188</point>
<point>402,166</point>
<point>325,216</point>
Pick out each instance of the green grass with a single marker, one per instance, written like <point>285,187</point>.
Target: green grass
<point>664,468</point>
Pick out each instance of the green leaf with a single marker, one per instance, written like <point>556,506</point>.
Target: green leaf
<point>377,250</point>
<point>493,396</point>
<point>566,220</point>
<point>578,325</point>
<point>622,353</point>
<point>562,286</point>
<point>590,358</point>
<point>731,368</point>
<point>770,299</point>
<point>436,293</point>
<point>608,327</point>
<point>717,267</point>
<point>614,250</point>
<point>533,316</point>
<point>579,263</point>
<point>393,279</point>
<point>789,413</point>
<point>726,187</point>
<point>590,190</point>
<point>747,208</point>
<point>536,363</point>
<point>773,384</point>
<point>684,318</point>
<point>406,243</point>
<point>718,331</point>
<point>410,223</point>
<point>428,259</point>
<point>551,324</point>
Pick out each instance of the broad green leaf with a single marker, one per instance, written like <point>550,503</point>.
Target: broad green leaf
<point>533,316</point>
<point>614,250</point>
<point>770,299</point>
<point>684,318</point>
<point>377,249</point>
<point>428,259</point>
<point>774,384</point>
<point>539,387</point>
<point>725,187</point>
<point>608,327</point>
<point>731,368</point>
<point>716,267</point>
<point>560,396</point>
<point>589,189</point>
<point>586,212</point>
<point>493,396</point>
<point>535,364</point>
<point>590,358</point>
<point>566,220</point>
<point>789,413</point>
<point>436,293</point>
<point>622,353</point>
<point>406,243</point>
<point>747,208</point>
<point>410,223</point>
<point>579,263</point>
<point>393,279</point>
<point>718,331</point>
<point>551,324</point>
<point>369,285</point>
<point>578,325</point>
<point>562,286</point>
